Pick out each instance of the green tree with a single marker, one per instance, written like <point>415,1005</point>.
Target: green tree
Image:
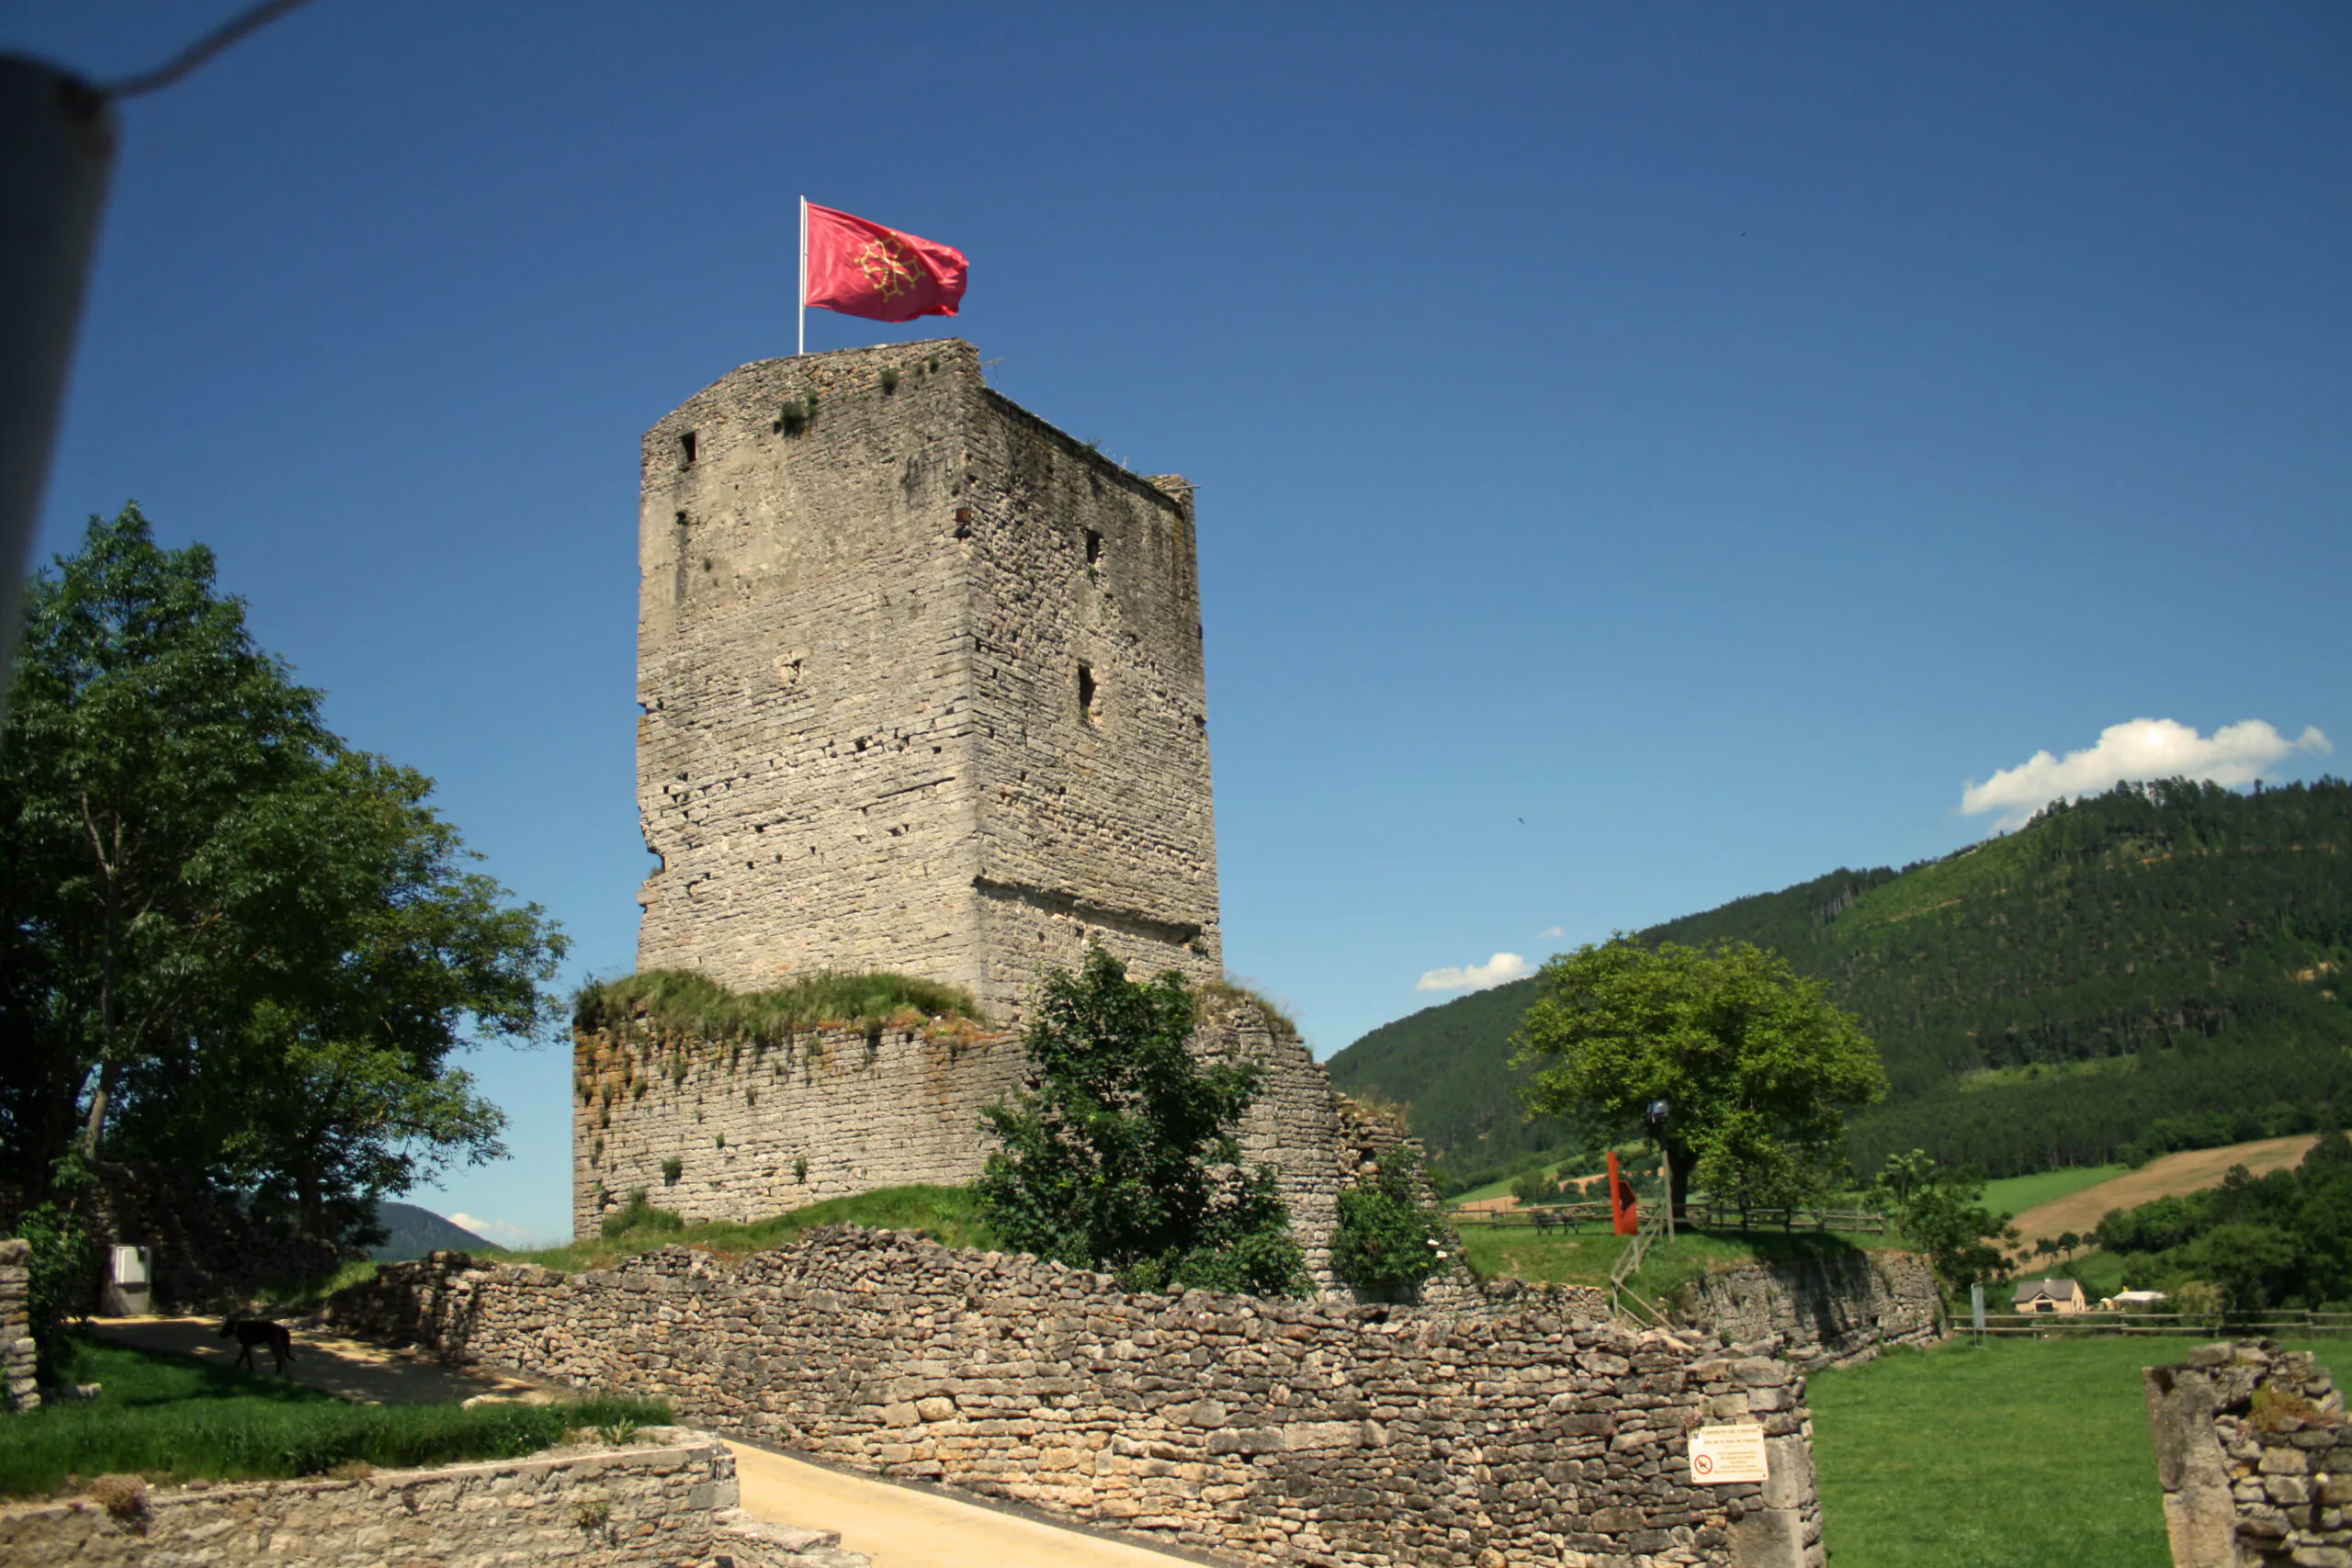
<point>1756,1065</point>
<point>1118,1152</point>
<point>1389,1237</point>
<point>1941,1210</point>
<point>231,944</point>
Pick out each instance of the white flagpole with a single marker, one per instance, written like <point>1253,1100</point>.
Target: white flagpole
<point>803,348</point>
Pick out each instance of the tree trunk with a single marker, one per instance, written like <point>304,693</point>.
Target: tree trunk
<point>1679,1163</point>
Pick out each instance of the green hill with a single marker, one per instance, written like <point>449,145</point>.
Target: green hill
<point>416,1231</point>
<point>2155,967</point>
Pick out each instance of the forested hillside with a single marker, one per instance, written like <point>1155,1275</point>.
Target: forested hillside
<point>2157,967</point>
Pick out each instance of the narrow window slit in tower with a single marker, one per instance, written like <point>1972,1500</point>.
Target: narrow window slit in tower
<point>1085,693</point>
<point>1093,547</point>
<point>687,449</point>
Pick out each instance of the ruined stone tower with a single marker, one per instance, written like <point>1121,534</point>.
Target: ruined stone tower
<point>921,682</point>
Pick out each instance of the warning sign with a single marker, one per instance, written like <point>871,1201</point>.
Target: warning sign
<point>1722,1455</point>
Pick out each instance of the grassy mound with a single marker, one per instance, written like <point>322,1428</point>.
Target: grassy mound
<point>174,1420</point>
<point>1562,1257</point>
<point>684,1002</point>
<point>946,1214</point>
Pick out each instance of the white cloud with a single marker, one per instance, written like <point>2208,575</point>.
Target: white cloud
<point>498,1231</point>
<point>2144,748</point>
<point>1550,931</point>
<point>1502,966</point>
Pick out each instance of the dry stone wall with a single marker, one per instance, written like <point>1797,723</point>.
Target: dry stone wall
<point>669,1504</point>
<point>922,686</point>
<point>1822,1312</point>
<point>1266,1432</point>
<point>18,1389</point>
<point>2255,1458</point>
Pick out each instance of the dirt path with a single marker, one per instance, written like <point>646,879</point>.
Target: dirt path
<point>350,1369</point>
<point>897,1526</point>
<point>900,1528</point>
<point>2191,1170</point>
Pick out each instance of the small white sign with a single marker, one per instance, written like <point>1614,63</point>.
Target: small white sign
<point>1722,1455</point>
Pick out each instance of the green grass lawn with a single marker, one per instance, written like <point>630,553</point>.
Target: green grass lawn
<point>2018,1193</point>
<point>946,1214</point>
<point>1584,1258</point>
<point>2030,1450</point>
<point>172,1419</point>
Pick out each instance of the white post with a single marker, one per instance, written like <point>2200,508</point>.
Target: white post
<point>803,346</point>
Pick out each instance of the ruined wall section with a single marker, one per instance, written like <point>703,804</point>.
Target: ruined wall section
<point>758,1130</point>
<point>1091,709</point>
<point>804,649</point>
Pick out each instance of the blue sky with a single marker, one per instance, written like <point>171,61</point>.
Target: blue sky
<point>1648,455</point>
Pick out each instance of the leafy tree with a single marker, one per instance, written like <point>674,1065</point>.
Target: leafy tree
<point>1756,1065</point>
<point>231,945</point>
<point>1941,1210</point>
<point>1388,1238</point>
<point>1118,1152</point>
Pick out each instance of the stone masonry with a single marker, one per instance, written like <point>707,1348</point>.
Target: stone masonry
<point>922,686</point>
<point>757,1130</point>
<point>2255,1458</point>
<point>18,1391</point>
<point>1820,1311</point>
<point>1267,1432</point>
<point>667,1504</point>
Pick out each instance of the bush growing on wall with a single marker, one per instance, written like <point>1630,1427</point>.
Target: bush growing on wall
<point>1387,1238</point>
<point>1119,1152</point>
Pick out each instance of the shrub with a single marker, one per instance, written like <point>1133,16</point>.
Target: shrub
<point>66,1265</point>
<point>639,1214</point>
<point>1387,1238</point>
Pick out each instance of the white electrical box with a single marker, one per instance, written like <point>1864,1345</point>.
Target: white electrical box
<point>128,1292</point>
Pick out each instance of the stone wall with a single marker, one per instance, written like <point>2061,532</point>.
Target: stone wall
<point>759,1130</point>
<point>1822,1312</point>
<point>922,686</point>
<point>670,1505</point>
<point>18,1391</point>
<point>2255,1458</point>
<point>1269,1432</point>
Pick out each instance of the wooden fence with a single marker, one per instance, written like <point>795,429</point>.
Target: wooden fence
<point>1701,1213</point>
<point>2160,1324</point>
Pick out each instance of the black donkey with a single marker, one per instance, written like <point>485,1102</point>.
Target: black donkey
<point>251,1331</point>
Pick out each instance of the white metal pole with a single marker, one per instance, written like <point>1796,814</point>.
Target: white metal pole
<point>803,344</point>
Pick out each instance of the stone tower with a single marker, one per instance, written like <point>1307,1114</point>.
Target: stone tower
<point>921,683</point>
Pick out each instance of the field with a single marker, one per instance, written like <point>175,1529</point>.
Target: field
<point>2027,1451</point>
<point>1561,1256</point>
<point>2016,1194</point>
<point>2191,1170</point>
<point>173,1419</point>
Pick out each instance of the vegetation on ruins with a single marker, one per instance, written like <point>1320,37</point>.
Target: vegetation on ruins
<point>1389,1237</point>
<point>684,1003</point>
<point>948,1215</point>
<point>1941,1212</point>
<point>1755,1066</point>
<point>2178,943</point>
<point>232,946</point>
<point>171,1419</point>
<point>1119,1151</point>
<point>2283,1239</point>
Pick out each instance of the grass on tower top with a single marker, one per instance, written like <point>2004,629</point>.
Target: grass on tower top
<point>684,1002</point>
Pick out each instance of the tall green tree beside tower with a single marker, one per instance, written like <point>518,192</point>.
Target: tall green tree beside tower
<point>228,943</point>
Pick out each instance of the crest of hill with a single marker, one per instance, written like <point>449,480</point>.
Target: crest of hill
<point>2178,943</point>
<point>411,1232</point>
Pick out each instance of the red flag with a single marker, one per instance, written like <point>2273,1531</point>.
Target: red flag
<point>862,269</point>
